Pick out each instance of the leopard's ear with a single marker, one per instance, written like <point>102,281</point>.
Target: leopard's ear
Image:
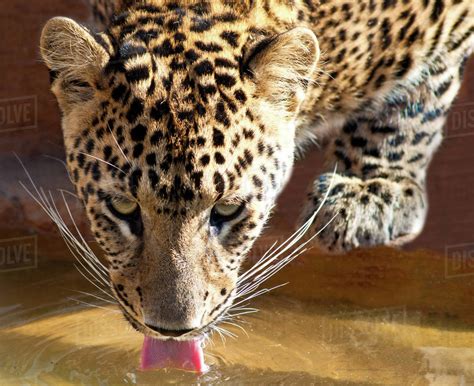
<point>283,66</point>
<point>74,58</point>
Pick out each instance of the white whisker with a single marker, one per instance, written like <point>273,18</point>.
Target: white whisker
<point>236,325</point>
<point>219,331</point>
<point>70,193</point>
<point>116,142</point>
<point>88,250</point>
<point>271,263</point>
<point>78,246</point>
<point>95,296</point>
<point>104,161</point>
<point>95,306</point>
<point>80,250</point>
<point>287,244</point>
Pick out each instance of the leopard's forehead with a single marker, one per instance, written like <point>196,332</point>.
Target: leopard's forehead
<point>183,64</point>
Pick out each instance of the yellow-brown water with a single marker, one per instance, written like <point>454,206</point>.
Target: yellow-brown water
<point>304,334</point>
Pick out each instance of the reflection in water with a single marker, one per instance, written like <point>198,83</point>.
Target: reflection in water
<point>47,337</point>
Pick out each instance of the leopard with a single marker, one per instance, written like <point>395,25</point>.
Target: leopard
<point>183,119</point>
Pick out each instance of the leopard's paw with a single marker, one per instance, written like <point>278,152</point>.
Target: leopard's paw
<point>364,213</point>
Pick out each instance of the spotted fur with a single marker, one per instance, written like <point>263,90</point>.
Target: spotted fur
<point>179,105</point>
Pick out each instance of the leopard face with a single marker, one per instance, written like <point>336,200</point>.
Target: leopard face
<point>178,143</point>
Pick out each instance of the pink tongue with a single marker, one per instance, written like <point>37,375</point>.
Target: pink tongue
<point>183,355</point>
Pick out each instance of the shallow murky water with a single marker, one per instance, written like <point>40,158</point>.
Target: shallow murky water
<point>47,336</point>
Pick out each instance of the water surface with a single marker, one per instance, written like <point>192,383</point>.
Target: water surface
<point>49,336</point>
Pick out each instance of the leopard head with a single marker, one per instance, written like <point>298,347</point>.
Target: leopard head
<point>178,143</point>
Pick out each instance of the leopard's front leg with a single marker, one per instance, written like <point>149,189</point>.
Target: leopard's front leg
<point>379,195</point>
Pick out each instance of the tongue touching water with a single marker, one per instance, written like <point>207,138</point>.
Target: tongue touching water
<point>377,331</point>
<point>182,355</point>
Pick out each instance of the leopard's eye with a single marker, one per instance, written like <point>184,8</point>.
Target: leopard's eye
<point>127,210</point>
<point>222,213</point>
<point>123,206</point>
<point>226,210</point>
